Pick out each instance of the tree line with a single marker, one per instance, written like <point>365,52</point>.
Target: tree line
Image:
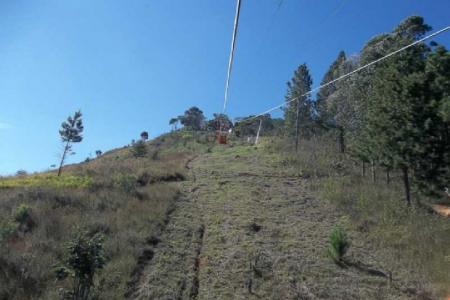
<point>394,114</point>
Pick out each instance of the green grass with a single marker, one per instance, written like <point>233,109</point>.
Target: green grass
<point>46,180</point>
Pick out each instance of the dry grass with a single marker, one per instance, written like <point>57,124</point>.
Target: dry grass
<point>412,240</point>
<point>126,199</point>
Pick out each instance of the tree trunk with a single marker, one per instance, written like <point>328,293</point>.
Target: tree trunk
<point>363,168</point>
<point>66,147</point>
<point>297,126</point>
<point>372,166</point>
<point>406,184</point>
<point>341,140</point>
<point>388,177</point>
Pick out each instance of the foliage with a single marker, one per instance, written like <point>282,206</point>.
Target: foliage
<point>248,126</point>
<point>298,114</point>
<point>220,121</point>
<point>7,229</point>
<point>126,182</point>
<point>84,257</point>
<point>173,122</point>
<point>144,135</point>
<point>21,173</point>
<point>338,244</point>
<point>70,132</point>
<point>394,114</point>
<point>47,180</point>
<point>139,149</point>
<point>22,213</point>
<point>193,119</point>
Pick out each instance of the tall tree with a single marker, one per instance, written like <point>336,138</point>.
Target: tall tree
<point>173,122</point>
<point>70,132</point>
<point>299,112</point>
<point>432,170</point>
<point>323,114</point>
<point>333,108</point>
<point>193,119</point>
<point>248,126</point>
<point>396,118</point>
<point>219,121</point>
<point>144,135</point>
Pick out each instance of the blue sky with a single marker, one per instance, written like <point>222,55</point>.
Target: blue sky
<point>132,65</point>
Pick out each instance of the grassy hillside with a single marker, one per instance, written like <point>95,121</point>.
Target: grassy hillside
<point>195,220</point>
<point>126,199</point>
<point>414,240</point>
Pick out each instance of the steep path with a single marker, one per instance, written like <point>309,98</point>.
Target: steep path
<point>246,231</point>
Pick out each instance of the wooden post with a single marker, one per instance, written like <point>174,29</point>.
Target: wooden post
<point>297,125</point>
<point>257,134</point>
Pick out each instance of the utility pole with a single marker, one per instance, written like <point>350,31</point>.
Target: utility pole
<point>257,134</point>
<point>297,125</point>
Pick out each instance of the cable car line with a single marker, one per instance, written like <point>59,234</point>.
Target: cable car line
<point>350,73</point>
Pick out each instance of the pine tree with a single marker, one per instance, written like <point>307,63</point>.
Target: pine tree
<point>333,106</point>
<point>395,115</point>
<point>432,172</point>
<point>70,132</point>
<point>299,113</point>
<point>324,118</point>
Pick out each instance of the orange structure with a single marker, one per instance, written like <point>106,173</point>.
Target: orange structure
<point>221,137</point>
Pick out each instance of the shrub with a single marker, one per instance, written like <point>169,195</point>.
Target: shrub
<point>338,244</point>
<point>84,256</point>
<point>7,229</point>
<point>21,173</point>
<point>139,149</point>
<point>125,182</point>
<point>22,214</point>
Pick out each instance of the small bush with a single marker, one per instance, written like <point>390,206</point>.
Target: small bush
<point>22,214</point>
<point>338,244</point>
<point>7,229</point>
<point>139,149</point>
<point>125,182</point>
<point>21,173</point>
<point>84,256</point>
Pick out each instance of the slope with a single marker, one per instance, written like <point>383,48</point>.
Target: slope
<point>247,229</point>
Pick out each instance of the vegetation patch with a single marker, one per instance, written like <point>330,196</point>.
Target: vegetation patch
<point>46,180</point>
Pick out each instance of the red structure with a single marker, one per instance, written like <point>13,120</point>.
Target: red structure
<point>221,137</point>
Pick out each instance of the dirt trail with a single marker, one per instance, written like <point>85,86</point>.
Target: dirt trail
<point>257,236</point>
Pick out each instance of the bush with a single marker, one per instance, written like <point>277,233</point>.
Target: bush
<point>338,244</point>
<point>22,214</point>
<point>139,149</point>
<point>125,182</point>
<point>84,257</point>
<point>7,229</point>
